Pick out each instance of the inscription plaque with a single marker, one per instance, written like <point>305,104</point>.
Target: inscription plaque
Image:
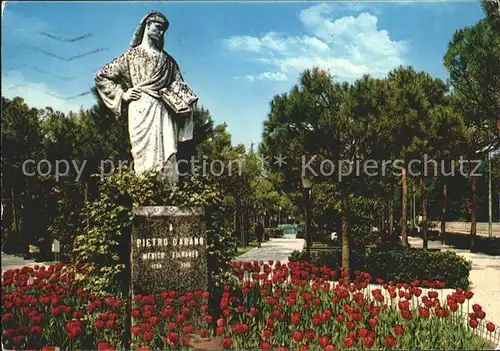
<point>169,250</point>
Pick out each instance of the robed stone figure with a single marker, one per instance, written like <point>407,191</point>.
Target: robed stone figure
<point>136,78</point>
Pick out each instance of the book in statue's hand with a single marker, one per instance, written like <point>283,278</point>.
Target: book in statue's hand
<point>179,97</point>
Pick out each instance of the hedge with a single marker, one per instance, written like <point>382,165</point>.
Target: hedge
<point>402,265</point>
<point>328,258</point>
<point>409,264</point>
<point>274,232</point>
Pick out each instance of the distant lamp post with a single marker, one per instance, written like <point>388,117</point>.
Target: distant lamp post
<point>279,216</point>
<point>306,185</point>
<point>490,199</point>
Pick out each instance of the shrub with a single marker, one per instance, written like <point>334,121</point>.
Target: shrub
<point>274,232</point>
<point>490,246</point>
<point>327,258</point>
<point>398,264</point>
<point>409,264</point>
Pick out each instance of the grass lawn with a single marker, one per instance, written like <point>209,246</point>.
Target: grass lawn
<point>241,250</point>
<point>48,263</point>
<point>322,245</point>
<point>318,245</point>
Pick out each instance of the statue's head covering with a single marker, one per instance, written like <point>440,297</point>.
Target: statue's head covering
<point>150,17</point>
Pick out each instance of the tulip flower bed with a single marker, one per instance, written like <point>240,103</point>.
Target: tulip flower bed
<point>43,309</point>
<point>269,306</point>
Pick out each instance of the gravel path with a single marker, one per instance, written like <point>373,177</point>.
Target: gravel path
<point>485,277</point>
<point>274,249</point>
<point>13,262</point>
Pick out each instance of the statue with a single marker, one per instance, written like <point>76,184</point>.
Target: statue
<point>155,123</point>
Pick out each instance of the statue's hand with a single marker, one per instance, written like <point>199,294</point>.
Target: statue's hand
<point>132,94</point>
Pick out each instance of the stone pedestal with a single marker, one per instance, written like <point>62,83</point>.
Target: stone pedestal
<point>169,250</point>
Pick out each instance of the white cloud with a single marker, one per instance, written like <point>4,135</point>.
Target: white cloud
<point>275,76</point>
<point>348,46</point>
<point>40,95</point>
<point>244,42</point>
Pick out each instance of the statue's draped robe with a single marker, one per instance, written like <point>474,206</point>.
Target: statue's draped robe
<point>154,133</point>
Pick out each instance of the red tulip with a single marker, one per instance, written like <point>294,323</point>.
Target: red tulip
<point>473,323</point>
<point>348,342</point>
<point>399,330</point>
<point>148,336</point>
<point>136,330</point>
<point>362,332</point>
<point>173,338</point>
<point>424,312</point>
<point>295,318</point>
<point>368,342</point>
<point>372,322</point>
<point>310,334</point>
<point>476,307</point>
<point>153,320</point>
<point>481,314</point>
<point>490,326</point>
<point>390,341</point>
<point>469,295</point>
<point>221,322</point>
<point>226,342</point>
<point>204,332</point>
<point>330,348</point>
<point>316,321</point>
<point>323,341</point>
<point>185,341</point>
<point>268,333</point>
<point>265,346</point>
<point>104,346</point>
<point>297,336</point>
<point>35,329</point>
<point>187,329</point>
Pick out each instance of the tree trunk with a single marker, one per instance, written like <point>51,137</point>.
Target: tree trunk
<point>14,220</point>
<point>404,201</point>
<point>423,189</point>
<point>243,227</point>
<point>307,218</point>
<point>345,229</point>
<point>391,214</point>
<point>443,212</point>
<point>86,201</point>
<point>473,225</point>
<point>382,221</point>
<point>237,221</point>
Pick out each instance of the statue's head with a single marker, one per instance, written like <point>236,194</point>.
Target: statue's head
<point>153,25</point>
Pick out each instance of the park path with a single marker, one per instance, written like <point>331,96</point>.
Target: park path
<point>484,275</point>
<point>13,262</point>
<point>276,249</point>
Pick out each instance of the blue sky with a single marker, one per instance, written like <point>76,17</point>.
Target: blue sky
<point>235,55</point>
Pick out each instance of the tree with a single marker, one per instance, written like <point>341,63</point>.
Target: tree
<point>491,9</point>
<point>473,61</point>
<point>319,121</point>
<point>21,193</point>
